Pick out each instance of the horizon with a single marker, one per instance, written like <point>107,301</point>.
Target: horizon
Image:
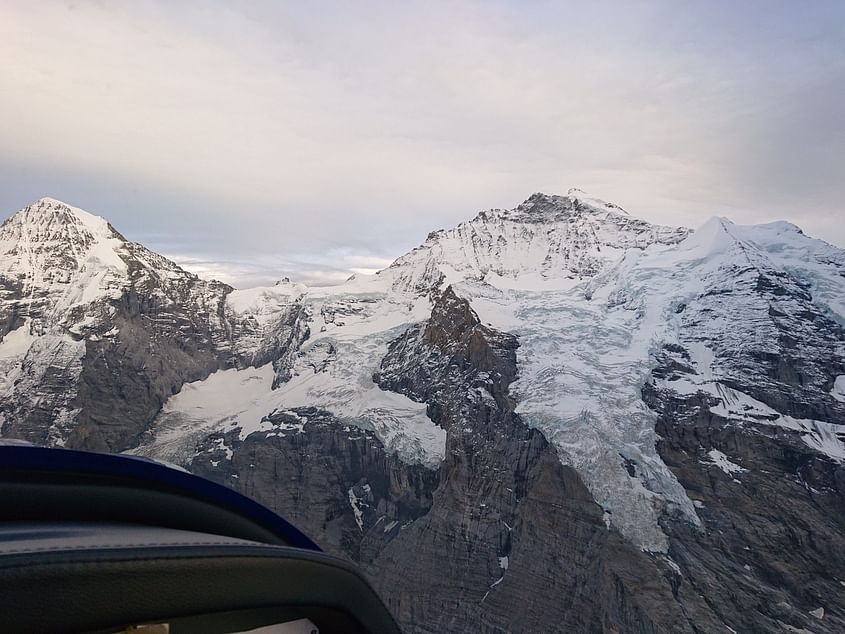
<point>264,140</point>
<point>202,270</point>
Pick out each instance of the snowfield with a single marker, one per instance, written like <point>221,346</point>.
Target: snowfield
<point>332,371</point>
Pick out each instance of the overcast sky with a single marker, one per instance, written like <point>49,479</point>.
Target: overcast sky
<point>252,140</point>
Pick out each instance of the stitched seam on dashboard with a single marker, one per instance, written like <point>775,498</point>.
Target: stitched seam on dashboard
<point>71,549</point>
<point>175,557</point>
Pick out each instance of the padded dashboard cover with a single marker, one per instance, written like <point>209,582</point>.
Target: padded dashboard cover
<point>100,542</point>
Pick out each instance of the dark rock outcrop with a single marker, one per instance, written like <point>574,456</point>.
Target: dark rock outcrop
<point>772,548</point>
<point>335,482</point>
<point>774,343</point>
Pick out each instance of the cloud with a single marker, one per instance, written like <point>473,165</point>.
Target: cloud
<point>266,270</point>
<point>260,131</point>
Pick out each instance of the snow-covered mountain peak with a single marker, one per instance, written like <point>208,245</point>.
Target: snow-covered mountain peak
<point>546,237</point>
<point>588,200</point>
<point>714,237</point>
<point>540,206</point>
<point>576,203</point>
<point>724,244</point>
<point>59,232</point>
<point>49,244</point>
<point>62,266</point>
<point>51,219</point>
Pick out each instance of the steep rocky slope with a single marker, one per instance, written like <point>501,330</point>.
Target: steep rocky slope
<point>551,418</point>
<point>99,331</point>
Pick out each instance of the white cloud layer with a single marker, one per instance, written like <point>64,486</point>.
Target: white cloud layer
<point>297,135</point>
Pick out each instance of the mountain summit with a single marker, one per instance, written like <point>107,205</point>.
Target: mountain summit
<point>49,236</point>
<point>49,246</point>
<point>561,239</point>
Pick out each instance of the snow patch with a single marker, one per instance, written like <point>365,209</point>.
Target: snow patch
<point>225,399</point>
<point>721,460</point>
<point>838,391</point>
<point>220,444</point>
<point>826,438</point>
<point>356,503</point>
<point>16,343</point>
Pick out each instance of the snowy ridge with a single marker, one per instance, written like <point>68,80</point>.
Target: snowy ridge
<point>588,347</point>
<point>264,302</point>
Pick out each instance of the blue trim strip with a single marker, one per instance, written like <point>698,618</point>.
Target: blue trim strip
<point>149,472</point>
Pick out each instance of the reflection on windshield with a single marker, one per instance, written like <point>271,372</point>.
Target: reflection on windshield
<point>299,626</point>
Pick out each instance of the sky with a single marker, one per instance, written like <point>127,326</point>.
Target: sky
<point>254,140</point>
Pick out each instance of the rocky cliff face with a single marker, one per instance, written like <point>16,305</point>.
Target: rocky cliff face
<point>753,431</point>
<point>551,418</point>
<point>769,557</point>
<point>326,477</point>
<point>528,547</point>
